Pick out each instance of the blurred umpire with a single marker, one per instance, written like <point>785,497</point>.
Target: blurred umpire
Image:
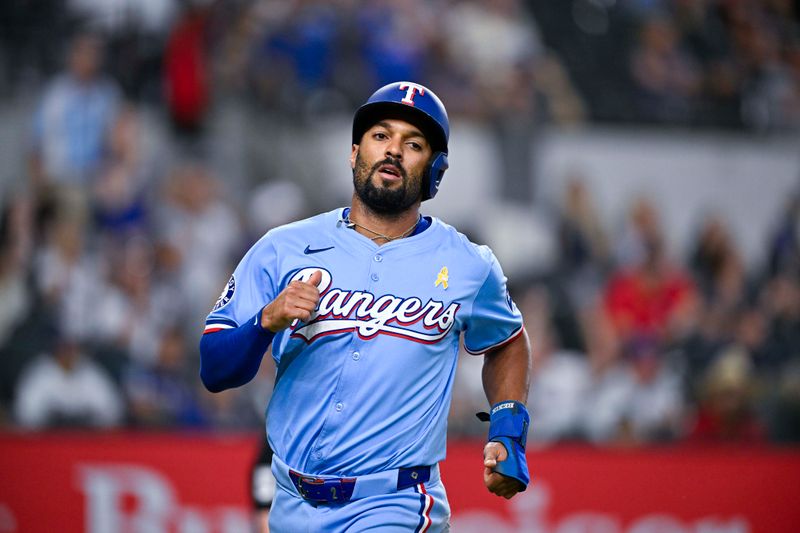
<point>262,487</point>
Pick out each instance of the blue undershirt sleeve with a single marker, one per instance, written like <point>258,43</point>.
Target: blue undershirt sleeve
<point>230,358</point>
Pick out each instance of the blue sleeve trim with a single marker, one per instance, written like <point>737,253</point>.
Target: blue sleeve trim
<point>230,357</point>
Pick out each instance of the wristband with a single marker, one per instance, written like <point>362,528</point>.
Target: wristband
<point>508,425</point>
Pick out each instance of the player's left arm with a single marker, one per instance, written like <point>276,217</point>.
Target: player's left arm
<point>494,328</point>
<point>506,379</point>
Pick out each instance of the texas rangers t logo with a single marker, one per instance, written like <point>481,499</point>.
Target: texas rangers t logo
<point>411,90</point>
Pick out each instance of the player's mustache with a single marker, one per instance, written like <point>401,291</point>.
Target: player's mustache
<point>390,161</point>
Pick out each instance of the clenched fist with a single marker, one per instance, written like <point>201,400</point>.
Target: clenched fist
<point>498,484</point>
<point>296,302</point>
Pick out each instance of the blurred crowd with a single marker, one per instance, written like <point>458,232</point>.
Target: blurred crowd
<point>732,64</point>
<point>634,346</point>
<point>110,256</point>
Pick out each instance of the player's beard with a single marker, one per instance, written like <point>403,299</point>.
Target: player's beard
<point>385,200</point>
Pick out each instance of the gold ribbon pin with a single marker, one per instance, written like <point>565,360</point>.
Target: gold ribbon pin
<point>442,278</point>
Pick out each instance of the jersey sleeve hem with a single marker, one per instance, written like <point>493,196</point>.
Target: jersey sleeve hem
<point>218,324</point>
<point>495,346</point>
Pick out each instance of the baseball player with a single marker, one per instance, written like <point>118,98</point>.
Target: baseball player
<point>364,307</point>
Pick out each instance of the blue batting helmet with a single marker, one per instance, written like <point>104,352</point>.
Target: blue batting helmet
<point>418,105</point>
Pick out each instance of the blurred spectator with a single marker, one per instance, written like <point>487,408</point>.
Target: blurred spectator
<point>558,393</point>
<point>396,39</point>
<point>705,35</point>
<point>713,331</point>
<point>784,248</point>
<point>606,402</point>
<point>15,244</point>
<point>560,379</point>
<point>31,38</point>
<point>642,225</point>
<point>781,292</point>
<point>710,251</point>
<point>67,389</point>
<point>136,306</point>
<point>136,31</point>
<point>665,77</point>
<point>652,296</point>
<point>771,90</point>
<point>584,248</point>
<point>559,101</point>
<point>67,276</point>
<point>119,195</point>
<point>103,294</point>
<point>494,46</point>
<point>73,119</point>
<point>296,55</point>
<point>721,64</point>
<point>784,417</point>
<point>655,408</point>
<point>488,40</point>
<point>186,76</point>
<point>164,394</point>
<point>750,331</point>
<point>152,15</point>
<point>717,266</point>
<point>18,299</point>
<point>583,241</point>
<point>240,26</point>
<point>202,231</point>
<point>726,412</point>
<point>781,305</point>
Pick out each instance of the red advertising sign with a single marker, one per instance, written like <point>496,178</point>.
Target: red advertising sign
<point>669,490</point>
<point>125,483</point>
<point>168,483</point>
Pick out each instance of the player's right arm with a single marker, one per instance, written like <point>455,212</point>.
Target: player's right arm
<point>250,311</point>
<point>230,357</point>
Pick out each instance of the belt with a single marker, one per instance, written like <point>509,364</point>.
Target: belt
<point>330,489</point>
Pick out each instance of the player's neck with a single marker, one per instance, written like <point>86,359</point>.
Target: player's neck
<point>382,228</point>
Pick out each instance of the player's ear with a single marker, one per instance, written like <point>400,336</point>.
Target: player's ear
<point>353,155</point>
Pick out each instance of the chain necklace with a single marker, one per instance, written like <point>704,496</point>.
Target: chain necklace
<point>350,224</point>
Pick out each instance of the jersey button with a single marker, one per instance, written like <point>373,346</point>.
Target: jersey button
<point>374,277</point>
<point>378,258</point>
<point>356,356</point>
<point>339,406</point>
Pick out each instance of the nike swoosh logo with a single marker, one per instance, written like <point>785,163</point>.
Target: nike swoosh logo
<point>310,250</point>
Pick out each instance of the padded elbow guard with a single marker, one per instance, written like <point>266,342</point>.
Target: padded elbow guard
<point>508,425</point>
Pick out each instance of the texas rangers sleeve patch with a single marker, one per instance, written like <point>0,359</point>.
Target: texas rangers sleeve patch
<point>226,295</point>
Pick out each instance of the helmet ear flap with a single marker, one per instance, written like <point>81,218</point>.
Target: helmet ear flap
<point>434,173</point>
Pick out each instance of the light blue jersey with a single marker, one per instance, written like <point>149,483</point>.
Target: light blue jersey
<point>364,386</point>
